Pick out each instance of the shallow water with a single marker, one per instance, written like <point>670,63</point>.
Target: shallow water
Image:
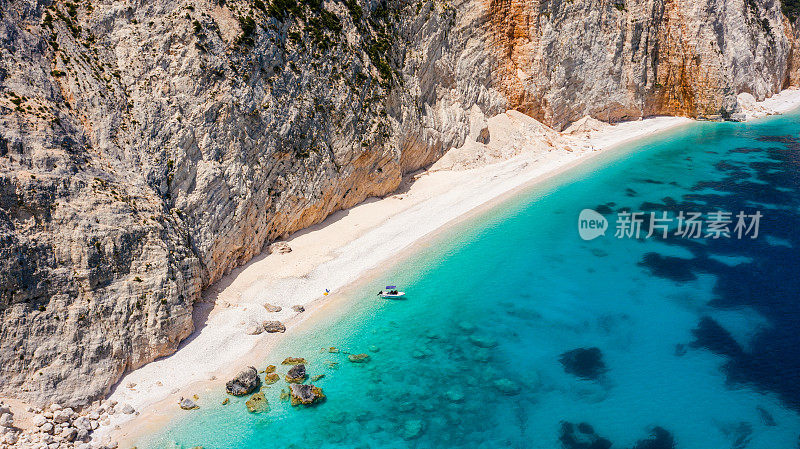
<point>697,338</point>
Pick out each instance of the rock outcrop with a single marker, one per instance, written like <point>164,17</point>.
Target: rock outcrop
<point>244,383</point>
<point>148,148</point>
<point>305,394</point>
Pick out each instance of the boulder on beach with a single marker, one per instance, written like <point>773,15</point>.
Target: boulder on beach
<point>187,404</point>
<point>244,383</point>
<point>298,308</point>
<point>279,248</point>
<point>293,361</point>
<point>296,374</point>
<point>305,394</point>
<point>272,308</point>
<point>257,403</point>
<point>273,326</point>
<point>358,358</point>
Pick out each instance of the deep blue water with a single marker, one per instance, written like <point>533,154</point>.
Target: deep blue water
<point>517,333</point>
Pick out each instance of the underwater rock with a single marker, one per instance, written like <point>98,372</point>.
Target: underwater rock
<point>454,395</point>
<point>669,267</point>
<point>317,377</point>
<point>466,327</point>
<point>374,348</point>
<point>766,417</point>
<point>244,383</point>
<point>272,308</point>
<point>187,404</point>
<point>584,438</point>
<point>482,342</point>
<point>257,403</point>
<point>584,362</point>
<point>710,335</point>
<point>482,355</point>
<point>305,394</point>
<point>333,350</point>
<point>271,378</point>
<point>358,358</point>
<point>296,374</point>
<point>293,361</point>
<point>412,429</point>
<point>507,387</point>
<point>298,308</point>
<point>273,327</point>
<point>660,438</point>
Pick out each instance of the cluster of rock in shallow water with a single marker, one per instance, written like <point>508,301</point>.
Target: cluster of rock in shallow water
<point>57,427</point>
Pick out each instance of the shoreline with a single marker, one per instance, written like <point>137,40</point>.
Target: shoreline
<point>351,247</point>
<point>467,190</point>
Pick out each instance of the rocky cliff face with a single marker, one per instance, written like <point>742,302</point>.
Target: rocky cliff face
<point>623,59</point>
<point>148,147</point>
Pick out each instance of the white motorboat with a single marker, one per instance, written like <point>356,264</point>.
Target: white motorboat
<point>391,292</point>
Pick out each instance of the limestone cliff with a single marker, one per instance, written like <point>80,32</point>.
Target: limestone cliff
<point>617,60</point>
<point>148,147</point>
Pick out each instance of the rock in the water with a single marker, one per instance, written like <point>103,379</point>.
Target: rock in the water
<point>187,404</point>
<point>272,308</point>
<point>271,378</point>
<point>279,248</point>
<point>584,362</point>
<point>274,326</point>
<point>317,377</point>
<point>305,394</point>
<point>412,429</point>
<point>454,395</point>
<point>270,369</point>
<point>482,341</point>
<point>297,374</point>
<point>584,438</point>
<point>244,383</point>
<point>257,403</point>
<point>507,387</point>
<point>358,358</point>
<point>466,327</point>
<point>298,308</point>
<point>374,348</point>
<point>293,361</point>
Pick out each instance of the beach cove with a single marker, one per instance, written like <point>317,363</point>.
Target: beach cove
<point>335,254</point>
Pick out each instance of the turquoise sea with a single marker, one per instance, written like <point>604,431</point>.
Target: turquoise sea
<point>517,333</point>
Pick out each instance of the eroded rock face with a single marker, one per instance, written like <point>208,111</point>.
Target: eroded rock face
<point>618,60</point>
<point>146,149</point>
